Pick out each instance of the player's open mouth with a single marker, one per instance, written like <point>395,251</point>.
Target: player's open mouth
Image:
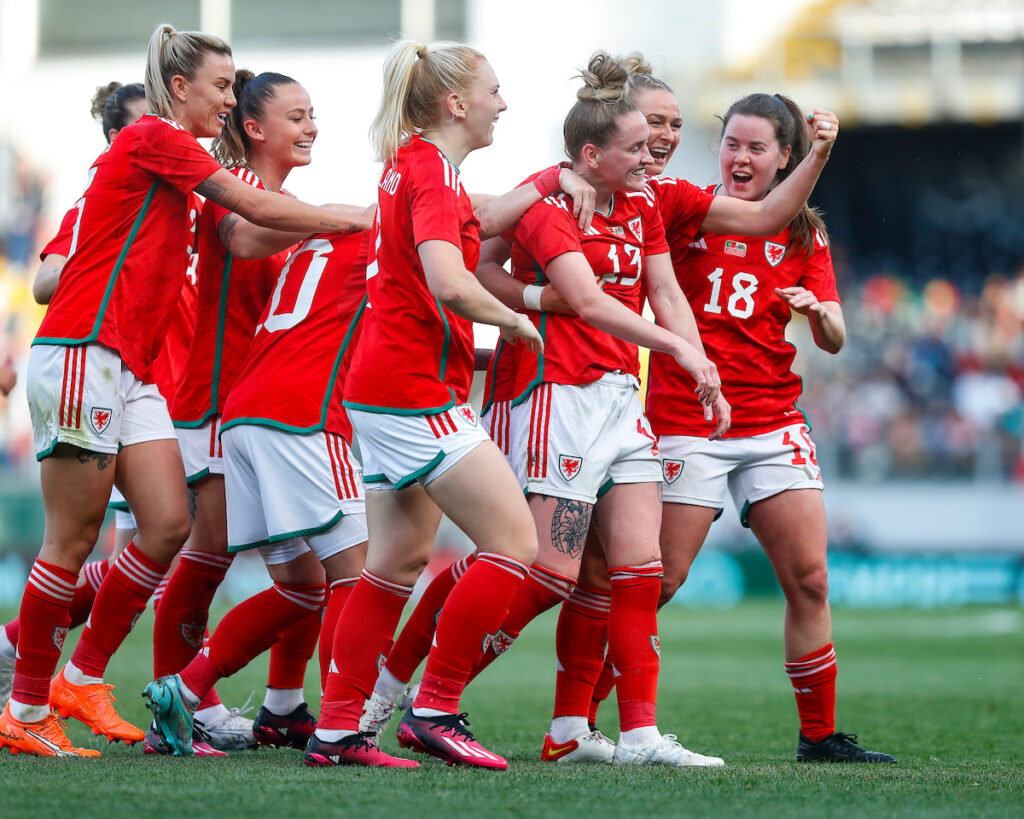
<point>223,119</point>
<point>305,145</point>
<point>659,154</point>
<point>742,178</point>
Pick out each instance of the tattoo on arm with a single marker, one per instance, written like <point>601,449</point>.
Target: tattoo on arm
<point>102,459</point>
<point>569,524</point>
<point>226,229</point>
<point>218,193</point>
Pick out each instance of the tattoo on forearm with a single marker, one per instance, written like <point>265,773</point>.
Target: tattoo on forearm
<point>218,193</point>
<point>102,459</point>
<point>569,525</point>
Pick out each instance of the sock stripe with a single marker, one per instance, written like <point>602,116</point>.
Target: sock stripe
<point>311,598</point>
<point>94,573</point>
<point>458,568</point>
<point>50,584</point>
<point>342,582</point>
<point>798,669</point>
<point>386,585</point>
<point>130,564</point>
<point>508,564</point>
<point>552,581</point>
<point>204,559</point>
<point>620,573</point>
<point>593,599</point>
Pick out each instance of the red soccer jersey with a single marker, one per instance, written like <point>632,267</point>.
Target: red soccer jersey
<point>615,246</point>
<point>232,294</point>
<point>683,208</point>
<point>295,371</point>
<point>415,356</point>
<point>730,283</point>
<point>121,283</point>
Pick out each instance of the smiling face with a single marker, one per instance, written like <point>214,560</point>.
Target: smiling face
<point>621,165</point>
<point>750,156</point>
<point>482,103</point>
<point>207,97</point>
<point>662,112</point>
<point>286,129</point>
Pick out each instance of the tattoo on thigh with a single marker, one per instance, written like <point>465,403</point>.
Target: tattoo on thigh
<point>569,525</point>
<point>102,459</point>
<point>193,502</point>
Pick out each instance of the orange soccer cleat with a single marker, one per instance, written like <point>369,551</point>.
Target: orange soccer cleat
<point>94,705</point>
<point>46,738</point>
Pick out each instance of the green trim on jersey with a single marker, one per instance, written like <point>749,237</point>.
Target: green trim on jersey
<point>443,369</point>
<point>377,477</point>
<point>110,282</point>
<point>314,530</point>
<point>412,477</point>
<point>356,318</point>
<point>218,348</point>
<point>489,399</point>
<point>542,326</point>
<point>395,411</point>
<point>267,422</point>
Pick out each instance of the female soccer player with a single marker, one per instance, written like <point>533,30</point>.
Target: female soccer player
<point>293,486</point>
<point>96,414</point>
<point>406,393</point>
<point>271,130</point>
<point>766,459</point>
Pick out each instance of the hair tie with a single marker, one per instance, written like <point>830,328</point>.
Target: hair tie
<point>421,52</point>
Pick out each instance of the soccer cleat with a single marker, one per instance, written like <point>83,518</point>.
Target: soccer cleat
<point>154,744</point>
<point>447,738</point>
<point>592,747</point>
<point>292,730</point>
<point>228,732</point>
<point>665,751</point>
<point>46,738</point>
<point>356,749</point>
<point>837,747</point>
<point>376,715</point>
<point>171,714</point>
<point>94,705</point>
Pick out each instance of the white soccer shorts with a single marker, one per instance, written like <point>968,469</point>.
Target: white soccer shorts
<point>570,441</point>
<point>280,485</point>
<point>700,472</point>
<point>85,396</point>
<point>399,450</point>
<point>201,449</point>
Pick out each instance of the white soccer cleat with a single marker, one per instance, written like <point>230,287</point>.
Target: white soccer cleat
<point>409,696</point>
<point>229,732</point>
<point>377,713</point>
<point>665,751</point>
<point>6,679</point>
<point>590,747</point>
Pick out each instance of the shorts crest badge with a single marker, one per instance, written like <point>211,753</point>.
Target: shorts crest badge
<point>99,417</point>
<point>672,470</point>
<point>569,466</point>
<point>636,227</point>
<point>656,644</point>
<point>774,253</point>
<point>466,411</point>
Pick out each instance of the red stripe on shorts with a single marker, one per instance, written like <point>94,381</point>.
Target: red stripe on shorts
<point>334,465</point>
<point>81,389</point>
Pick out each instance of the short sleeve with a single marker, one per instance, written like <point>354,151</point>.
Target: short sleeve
<point>654,232</point>
<point>61,243</point>
<point>174,155</point>
<point>684,206</point>
<point>547,230</point>
<point>434,202</point>
<point>819,275</point>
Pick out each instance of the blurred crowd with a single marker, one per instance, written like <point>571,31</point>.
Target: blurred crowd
<point>929,385</point>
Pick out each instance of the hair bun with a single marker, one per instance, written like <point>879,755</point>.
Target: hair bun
<point>100,98</point>
<point>635,63</point>
<point>604,79</point>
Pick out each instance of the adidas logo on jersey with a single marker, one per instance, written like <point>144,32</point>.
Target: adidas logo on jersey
<point>699,244</point>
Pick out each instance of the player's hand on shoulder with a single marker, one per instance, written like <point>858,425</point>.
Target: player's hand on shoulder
<point>584,197</point>
<point>801,300</point>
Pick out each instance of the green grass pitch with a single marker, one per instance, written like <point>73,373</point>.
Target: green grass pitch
<point>941,690</point>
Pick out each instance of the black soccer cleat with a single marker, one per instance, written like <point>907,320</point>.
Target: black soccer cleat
<point>293,730</point>
<point>837,747</point>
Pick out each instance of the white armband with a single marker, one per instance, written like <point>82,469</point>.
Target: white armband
<point>531,296</point>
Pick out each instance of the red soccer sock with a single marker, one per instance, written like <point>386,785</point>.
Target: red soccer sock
<point>814,684</point>
<point>211,697</point>
<point>580,640</point>
<point>81,602</point>
<point>249,629</point>
<point>633,645</point>
<point>472,614</point>
<point>543,589</point>
<point>413,643</point>
<point>44,625</point>
<point>119,602</point>
<point>184,610</point>
<point>603,687</point>
<point>361,642</point>
<point>340,591</point>
<point>290,655</point>
<point>158,592</point>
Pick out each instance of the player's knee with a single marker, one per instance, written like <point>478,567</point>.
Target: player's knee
<point>670,584</point>
<point>812,586</point>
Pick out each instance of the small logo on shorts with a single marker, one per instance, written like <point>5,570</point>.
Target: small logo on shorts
<point>656,644</point>
<point>774,253</point>
<point>99,417</point>
<point>672,470</point>
<point>466,411</point>
<point>569,466</point>
<point>59,636</point>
